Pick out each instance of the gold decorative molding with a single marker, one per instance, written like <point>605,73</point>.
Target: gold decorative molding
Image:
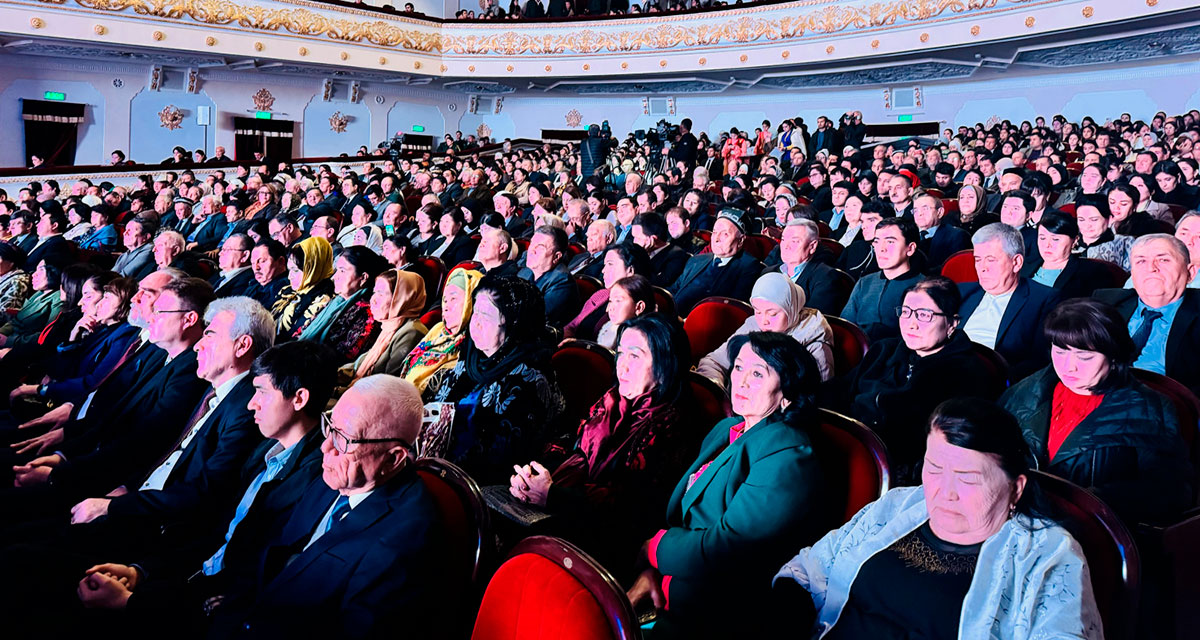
<point>258,46</point>
<point>829,50</point>
<point>1029,22</point>
<point>874,44</point>
<point>975,30</point>
<point>924,37</point>
<point>785,54</point>
<point>703,61</point>
<point>37,23</point>
<point>416,64</point>
<point>263,100</point>
<point>171,118</point>
<point>587,67</point>
<point>302,51</point>
<point>210,41</point>
<point>1088,12</point>
<point>159,36</point>
<point>344,56</point>
<point>338,122</point>
<point>100,29</point>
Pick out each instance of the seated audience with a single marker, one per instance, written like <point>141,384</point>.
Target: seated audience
<point>455,245</point>
<point>858,258</point>
<point>666,260</point>
<point>875,297</point>
<point>346,324</point>
<point>1162,314</point>
<point>779,307</point>
<point>750,495</point>
<point>797,246</point>
<point>503,386</point>
<point>309,287</point>
<point>972,214</point>
<point>269,264</point>
<point>901,380</point>
<point>621,260</point>
<point>728,271</point>
<point>1127,220</point>
<point>51,246</point>
<point>600,235</point>
<point>236,276</point>
<point>103,235</point>
<point>1096,237</point>
<point>1187,231</point>
<point>1003,311</point>
<point>497,253</point>
<point>1055,266</point>
<point>397,249</point>
<point>441,347</point>
<point>15,284</point>
<point>1088,420</point>
<point>976,500</point>
<point>546,267</point>
<point>138,260</point>
<point>397,298</point>
<point>938,241</point>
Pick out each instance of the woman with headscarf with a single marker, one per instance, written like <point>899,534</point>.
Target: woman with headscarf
<point>503,386</point>
<point>972,214</point>
<point>396,303</point>
<point>369,236</point>
<point>440,348</point>
<point>309,288</point>
<point>778,307</point>
<point>346,324</point>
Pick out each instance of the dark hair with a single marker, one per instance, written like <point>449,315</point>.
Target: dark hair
<point>123,289</point>
<point>193,293</point>
<point>274,248</point>
<point>875,205</point>
<point>1090,325</point>
<point>980,425</point>
<point>908,228</point>
<point>798,373</point>
<point>1060,223</point>
<point>455,214</point>
<point>1037,181</point>
<point>401,241</point>
<point>284,220</point>
<point>632,256</point>
<point>1027,200</point>
<point>364,261</point>
<point>669,348</point>
<point>653,225</point>
<point>639,288</point>
<point>1129,190</point>
<point>521,306</point>
<point>72,280</point>
<point>1096,200</point>
<point>57,217</point>
<point>301,364</point>
<point>943,291</point>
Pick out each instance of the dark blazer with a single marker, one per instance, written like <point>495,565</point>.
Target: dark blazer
<point>947,241</point>
<point>241,284</point>
<point>55,250</point>
<point>1079,279</point>
<point>381,566</point>
<point>461,249</point>
<point>136,264</point>
<point>699,281</point>
<point>1183,341</point>
<point>559,291</point>
<point>93,359</point>
<point>754,505</point>
<point>206,472</point>
<point>210,232</point>
<point>827,140</point>
<point>666,265</point>
<point>1019,338</point>
<point>268,293</point>
<point>586,264</point>
<point>817,281</point>
<point>26,244</point>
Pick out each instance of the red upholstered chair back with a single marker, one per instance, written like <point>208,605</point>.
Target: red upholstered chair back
<point>950,205</point>
<point>574,249</point>
<point>432,317</point>
<point>1068,208</point>
<point>712,321</point>
<point>1177,211</point>
<point>463,511</point>
<point>548,589</point>
<point>850,344</point>
<point>433,271</point>
<point>833,246</point>
<point>759,245</point>
<point>855,462</point>
<point>996,366</point>
<point>470,265</point>
<point>704,234</point>
<point>585,371</point>
<point>1117,277</point>
<point>522,244</point>
<point>960,267</point>
<point>823,230</point>
<point>843,285</point>
<point>1112,557</point>
<point>587,285</point>
<point>937,193</point>
<point>665,302</point>
<point>709,403</point>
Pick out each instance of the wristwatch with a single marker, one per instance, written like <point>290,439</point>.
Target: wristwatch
<point>43,389</point>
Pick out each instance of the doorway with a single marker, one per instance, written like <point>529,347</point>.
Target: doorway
<point>51,131</point>
<point>273,138</point>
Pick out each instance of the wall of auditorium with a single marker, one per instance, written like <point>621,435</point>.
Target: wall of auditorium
<point>1140,89</point>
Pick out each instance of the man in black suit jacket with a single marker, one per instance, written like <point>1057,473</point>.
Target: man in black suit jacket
<point>666,260</point>
<point>21,229</point>
<point>206,235</point>
<point>1004,311</point>
<point>1161,273</point>
<point>727,271</point>
<point>600,234</point>
<point>824,138</point>
<point>268,261</point>
<point>236,277</point>
<point>51,246</point>
<point>938,241</point>
<point>545,267</point>
<point>818,280</point>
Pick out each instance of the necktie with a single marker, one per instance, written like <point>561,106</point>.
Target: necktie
<point>341,508</point>
<point>925,235</point>
<point>191,423</point>
<point>129,353</point>
<point>1142,335</point>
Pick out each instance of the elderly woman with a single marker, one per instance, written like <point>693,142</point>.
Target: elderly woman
<point>346,324</point>
<point>1088,420</point>
<point>26,324</point>
<point>620,261</point>
<point>15,285</point>
<point>965,555</point>
<point>103,236</point>
<point>749,496</point>
<point>972,214</point>
<point>309,288</point>
<point>778,307</point>
<point>361,215</point>
<point>503,385</point>
<point>900,381</point>
<point>79,219</point>
<point>439,350</point>
<point>1096,237</point>
<point>396,303</point>
<point>608,489</point>
<point>1055,266</point>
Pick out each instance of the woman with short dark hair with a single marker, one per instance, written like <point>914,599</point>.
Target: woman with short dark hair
<point>621,260</point>
<point>1054,265</point>
<point>1088,420</point>
<point>1097,240</point>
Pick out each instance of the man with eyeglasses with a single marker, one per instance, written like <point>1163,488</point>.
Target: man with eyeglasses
<point>875,297</point>
<point>285,229</point>
<point>236,277</point>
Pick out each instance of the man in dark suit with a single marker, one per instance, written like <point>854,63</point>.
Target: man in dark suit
<point>1016,211</point>
<point>824,138</point>
<point>600,234</point>
<point>51,246</point>
<point>138,260</point>
<point>938,241</point>
<point>236,277</point>
<point>727,271</point>
<point>21,228</point>
<point>796,249</point>
<point>1163,314</point>
<point>205,234</point>
<point>666,260</point>
<point>268,262</point>
<point>546,267</point>
<point>1004,311</point>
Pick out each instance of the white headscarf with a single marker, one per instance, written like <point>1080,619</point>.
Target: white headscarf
<point>778,289</point>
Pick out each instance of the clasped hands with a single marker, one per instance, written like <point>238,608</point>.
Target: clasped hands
<point>531,483</point>
<point>107,586</point>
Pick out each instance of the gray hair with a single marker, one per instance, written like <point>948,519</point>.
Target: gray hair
<point>1189,214</point>
<point>174,237</point>
<point>175,274</point>
<point>811,227</point>
<point>250,318</point>
<point>392,407</point>
<point>606,227</point>
<point>1010,239</point>
<point>1177,246</point>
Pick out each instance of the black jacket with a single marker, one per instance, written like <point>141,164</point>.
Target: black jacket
<point>1183,342</point>
<point>1019,338</point>
<point>666,265</point>
<point>560,293</point>
<point>1128,450</point>
<point>698,281</point>
<point>241,284</point>
<point>819,292</point>
<point>55,250</point>
<point>946,241</point>
<point>461,249</point>
<point>1078,279</point>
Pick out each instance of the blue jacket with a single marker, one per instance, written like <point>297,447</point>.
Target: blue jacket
<point>1020,338</point>
<point>96,358</point>
<point>559,291</point>
<point>105,238</point>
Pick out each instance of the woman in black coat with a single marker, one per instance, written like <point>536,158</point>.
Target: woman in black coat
<point>901,380</point>
<point>1055,266</point>
<point>1089,421</point>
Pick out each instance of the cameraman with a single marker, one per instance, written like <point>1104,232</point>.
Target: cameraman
<point>685,147</point>
<point>852,129</point>
<point>593,151</point>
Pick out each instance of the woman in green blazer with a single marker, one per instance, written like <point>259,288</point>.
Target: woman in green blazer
<point>751,495</point>
<point>26,325</point>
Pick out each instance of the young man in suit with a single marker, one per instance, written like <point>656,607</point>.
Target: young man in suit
<point>666,260</point>
<point>727,271</point>
<point>1004,311</point>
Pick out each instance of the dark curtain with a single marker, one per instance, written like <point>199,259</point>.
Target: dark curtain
<point>51,130</point>
<point>271,137</point>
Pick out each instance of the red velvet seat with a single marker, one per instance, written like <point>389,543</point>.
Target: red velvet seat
<point>855,461</point>
<point>850,344</point>
<point>1068,208</point>
<point>960,267</point>
<point>1112,556</point>
<point>1177,211</point>
<point>587,286</point>
<point>1075,168</point>
<point>433,271</point>
<point>823,230</point>
<point>575,249</point>
<point>937,193</point>
<point>664,302</point>
<point>996,366</point>
<point>759,245</point>
<point>432,317</point>
<point>584,371</point>
<point>1117,277</point>
<point>522,244</point>
<point>704,234</point>
<point>470,265</point>
<point>548,589</point>
<point>709,403</point>
<point>950,205</point>
<point>465,515</point>
<point>1187,408</point>
<point>712,321</point>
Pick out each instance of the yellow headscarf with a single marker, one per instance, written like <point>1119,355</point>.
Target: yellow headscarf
<point>440,348</point>
<point>318,262</point>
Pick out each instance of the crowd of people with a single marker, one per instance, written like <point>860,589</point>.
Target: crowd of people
<point>217,384</point>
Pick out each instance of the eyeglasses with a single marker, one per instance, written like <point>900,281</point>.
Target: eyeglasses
<point>342,442</point>
<point>162,311</point>
<point>923,315</point>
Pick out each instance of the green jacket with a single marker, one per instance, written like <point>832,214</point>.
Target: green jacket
<point>35,314</point>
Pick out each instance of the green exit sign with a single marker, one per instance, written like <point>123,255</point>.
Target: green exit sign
<point>903,118</point>
<point>262,115</point>
<point>54,95</point>
<point>418,128</point>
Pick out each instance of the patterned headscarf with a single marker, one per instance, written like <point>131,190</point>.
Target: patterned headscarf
<point>441,347</point>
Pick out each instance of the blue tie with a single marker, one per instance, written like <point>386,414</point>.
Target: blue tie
<point>341,508</point>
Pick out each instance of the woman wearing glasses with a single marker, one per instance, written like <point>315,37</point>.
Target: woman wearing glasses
<point>901,380</point>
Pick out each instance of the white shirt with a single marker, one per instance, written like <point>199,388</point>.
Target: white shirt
<point>158,477</point>
<point>354,500</point>
<point>984,324</point>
